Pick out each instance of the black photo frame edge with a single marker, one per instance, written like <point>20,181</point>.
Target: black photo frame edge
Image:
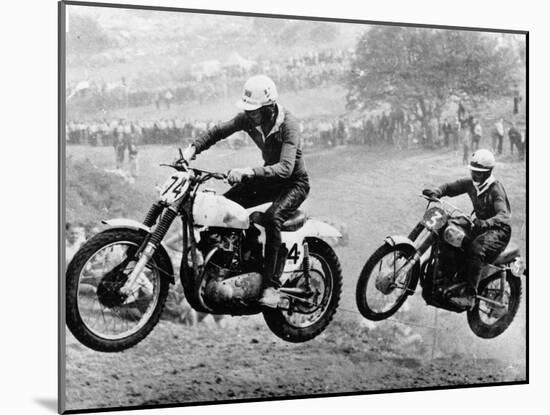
<point>61,202</point>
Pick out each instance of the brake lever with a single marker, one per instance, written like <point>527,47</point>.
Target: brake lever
<point>178,165</point>
<point>470,220</point>
<point>431,199</point>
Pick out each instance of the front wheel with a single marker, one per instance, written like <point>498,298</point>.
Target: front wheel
<point>488,320</point>
<point>303,322</point>
<point>382,288</point>
<point>98,314</point>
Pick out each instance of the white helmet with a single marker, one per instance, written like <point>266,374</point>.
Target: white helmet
<point>258,91</point>
<point>482,160</point>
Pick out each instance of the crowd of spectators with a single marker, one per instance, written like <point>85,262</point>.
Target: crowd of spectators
<point>396,128</point>
<point>310,70</point>
<point>108,132</point>
<point>474,132</point>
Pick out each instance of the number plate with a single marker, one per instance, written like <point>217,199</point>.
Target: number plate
<point>175,187</point>
<point>434,218</point>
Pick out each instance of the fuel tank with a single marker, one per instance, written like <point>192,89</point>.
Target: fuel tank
<point>215,210</point>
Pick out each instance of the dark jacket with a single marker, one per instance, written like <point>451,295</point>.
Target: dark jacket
<point>514,134</point>
<point>281,149</point>
<point>492,205</point>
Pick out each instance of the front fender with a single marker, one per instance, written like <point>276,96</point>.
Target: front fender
<point>394,240</point>
<point>123,223</point>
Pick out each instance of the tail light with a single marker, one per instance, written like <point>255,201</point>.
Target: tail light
<point>517,267</point>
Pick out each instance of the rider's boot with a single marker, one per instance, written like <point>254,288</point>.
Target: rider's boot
<point>466,297</point>
<point>271,295</point>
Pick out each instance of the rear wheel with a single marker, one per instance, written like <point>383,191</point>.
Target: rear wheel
<point>305,320</point>
<point>98,314</point>
<point>382,288</point>
<point>488,320</point>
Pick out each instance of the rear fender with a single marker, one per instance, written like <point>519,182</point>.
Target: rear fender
<point>319,229</point>
<point>489,270</point>
<point>395,240</point>
<point>294,241</point>
<point>123,223</point>
<point>516,269</point>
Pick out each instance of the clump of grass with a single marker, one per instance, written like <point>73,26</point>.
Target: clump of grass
<point>92,194</point>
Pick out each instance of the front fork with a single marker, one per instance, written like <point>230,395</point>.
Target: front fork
<point>152,244</point>
<point>422,239</point>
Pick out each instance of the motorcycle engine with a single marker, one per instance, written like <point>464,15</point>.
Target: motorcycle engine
<point>447,265</point>
<point>442,272</point>
<point>227,244</point>
<point>229,280</point>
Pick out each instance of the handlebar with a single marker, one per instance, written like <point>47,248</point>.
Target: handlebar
<point>453,207</point>
<point>183,165</point>
<point>211,174</point>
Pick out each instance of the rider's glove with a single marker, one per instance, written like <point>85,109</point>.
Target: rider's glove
<point>189,153</point>
<point>431,193</point>
<point>236,175</point>
<point>480,225</point>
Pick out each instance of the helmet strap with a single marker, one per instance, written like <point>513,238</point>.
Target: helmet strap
<point>484,185</point>
<point>269,115</point>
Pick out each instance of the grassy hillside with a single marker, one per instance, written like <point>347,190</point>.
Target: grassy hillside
<point>91,194</point>
<point>328,101</point>
<point>375,194</point>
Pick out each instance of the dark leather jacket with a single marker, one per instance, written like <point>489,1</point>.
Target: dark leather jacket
<point>281,148</point>
<point>492,205</point>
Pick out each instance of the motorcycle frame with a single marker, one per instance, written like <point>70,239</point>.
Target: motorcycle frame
<point>190,276</point>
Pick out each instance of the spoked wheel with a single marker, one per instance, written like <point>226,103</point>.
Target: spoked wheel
<point>98,314</point>
<point>305,319</point>
<point>382,286</point>
<point>487,319</point>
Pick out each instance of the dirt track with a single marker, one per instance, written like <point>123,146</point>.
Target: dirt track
<point>182,364</point>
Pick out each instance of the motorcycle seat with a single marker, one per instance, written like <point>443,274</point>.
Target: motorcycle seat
<point>509,254</point>
<point>295,222</point>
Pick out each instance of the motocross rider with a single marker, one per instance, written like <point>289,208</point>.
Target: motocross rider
<point>491,231</point>
<point>282,179</point>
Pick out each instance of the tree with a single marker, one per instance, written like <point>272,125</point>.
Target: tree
<point>421,69</point>
<point>87,36</point>
<point>290,34</point>
<point>323,32</point>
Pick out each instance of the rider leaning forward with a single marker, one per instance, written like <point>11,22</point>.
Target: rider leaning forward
<point>282,179</point>
<point>491,231</point>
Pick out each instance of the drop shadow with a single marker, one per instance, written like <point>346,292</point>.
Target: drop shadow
<point>48,403</point>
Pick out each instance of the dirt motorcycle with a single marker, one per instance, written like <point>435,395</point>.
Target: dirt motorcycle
<point>118,281</point>
<point>433,255</point>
